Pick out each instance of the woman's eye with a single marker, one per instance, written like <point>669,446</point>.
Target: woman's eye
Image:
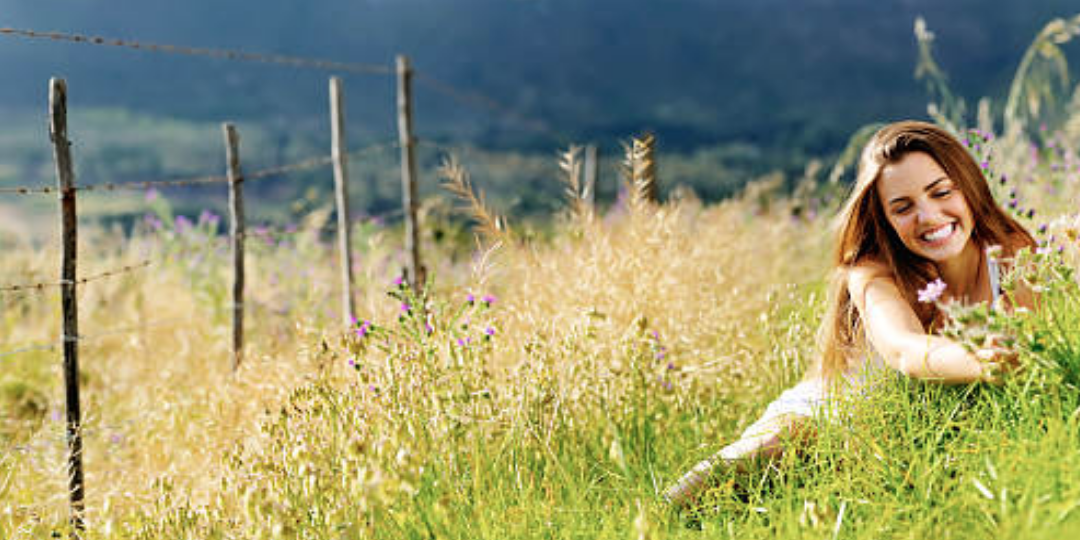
<point>902,209</point>
<point>942,193</point>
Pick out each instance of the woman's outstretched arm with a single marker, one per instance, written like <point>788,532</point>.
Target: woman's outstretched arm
<point>896,333</point>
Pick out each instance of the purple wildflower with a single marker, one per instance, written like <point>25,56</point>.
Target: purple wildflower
<point>490,331</point>
<point>151,195</point>
<point>405,307</point>
<point>153,222</point>
<point>399,281</point>
<point>489,299</point>
<point>362,331</point>
<point>182,224</point>
<point>932,291</point>
<point>470,299</point>
<point>207,217</point>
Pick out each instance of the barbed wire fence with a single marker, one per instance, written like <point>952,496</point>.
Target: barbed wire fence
<point>67,190</point>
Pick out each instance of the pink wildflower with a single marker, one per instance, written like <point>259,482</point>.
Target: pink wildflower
<point>932,291</point>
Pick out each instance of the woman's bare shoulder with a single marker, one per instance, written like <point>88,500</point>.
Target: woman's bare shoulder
<point>859,276</point>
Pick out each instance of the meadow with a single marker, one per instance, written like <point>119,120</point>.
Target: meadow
<point>548,383</point>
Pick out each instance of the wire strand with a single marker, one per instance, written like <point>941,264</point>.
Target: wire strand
<point>222,54</point>
<point>80,281</point>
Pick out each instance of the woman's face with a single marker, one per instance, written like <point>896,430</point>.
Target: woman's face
<point>925,207</point>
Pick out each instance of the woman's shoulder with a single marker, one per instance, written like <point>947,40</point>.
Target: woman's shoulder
<point>868,269</point>
<point>859,275</point>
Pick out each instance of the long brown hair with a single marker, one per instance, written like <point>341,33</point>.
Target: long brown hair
<point>864,234</point>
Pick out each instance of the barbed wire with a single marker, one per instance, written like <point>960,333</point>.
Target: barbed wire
<point>459,95</point>
<point>307,164</point>
<point>222,54</point>
<point>152,184</point>
<point>486,102</point>
<point>29,348</point>
<point>28,190</point>
<point>80,281</point>
<point>265,231</point>
<point>91,337</point>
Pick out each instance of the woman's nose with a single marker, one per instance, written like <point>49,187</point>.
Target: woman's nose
<point>925,213</point>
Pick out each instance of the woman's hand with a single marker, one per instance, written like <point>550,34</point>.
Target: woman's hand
<point>997,357</point>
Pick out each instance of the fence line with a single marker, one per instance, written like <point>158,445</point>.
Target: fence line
<point>70,339</point>
<point>442,87</point>
<point>80,281</point>
<point>307,164</point>
<point>480,100</point>
<point>164,323</point>
<point>27,190</point>
<point>222,54</point>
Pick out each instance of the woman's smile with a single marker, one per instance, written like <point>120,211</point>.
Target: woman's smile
<point>925,208</point>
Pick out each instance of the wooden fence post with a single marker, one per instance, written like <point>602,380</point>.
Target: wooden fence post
<point>65,183</point>
<point>592,173</point>
<point>415,270</point>
<point>341,190</point>
<point>236,233</point>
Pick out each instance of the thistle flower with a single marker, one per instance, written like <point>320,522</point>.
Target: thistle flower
<point>182,224</point>
<point>362,331</point>
<point>932,291</point>
<point>489,299</point>
<point>470,299</point>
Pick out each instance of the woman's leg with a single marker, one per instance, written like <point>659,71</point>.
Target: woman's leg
<point>784,420</point>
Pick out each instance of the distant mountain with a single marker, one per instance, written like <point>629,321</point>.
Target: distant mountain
<point>798,73</point>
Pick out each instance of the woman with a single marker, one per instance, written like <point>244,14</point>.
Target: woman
<point>920,217</point>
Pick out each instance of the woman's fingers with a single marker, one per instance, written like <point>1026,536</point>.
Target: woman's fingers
<point>996,360</point>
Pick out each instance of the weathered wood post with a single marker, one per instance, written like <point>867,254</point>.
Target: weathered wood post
<point>415,270</point>
<point>65,183</point>
<point>236,233</point>
<point>592,173</point>
<point>341,191</point>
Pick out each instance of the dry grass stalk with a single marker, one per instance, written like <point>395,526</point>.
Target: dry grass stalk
<point>640,170</point>
<point>577,192</point>
<point>488,224</point>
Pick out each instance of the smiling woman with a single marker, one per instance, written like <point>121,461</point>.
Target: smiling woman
<point>916,228</point>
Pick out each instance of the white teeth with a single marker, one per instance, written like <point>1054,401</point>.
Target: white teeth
<point>939,234</point>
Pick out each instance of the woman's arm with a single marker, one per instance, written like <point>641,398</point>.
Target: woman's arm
<point>896,333</point>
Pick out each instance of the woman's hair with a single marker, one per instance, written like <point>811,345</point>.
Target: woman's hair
<point>864,234</point>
